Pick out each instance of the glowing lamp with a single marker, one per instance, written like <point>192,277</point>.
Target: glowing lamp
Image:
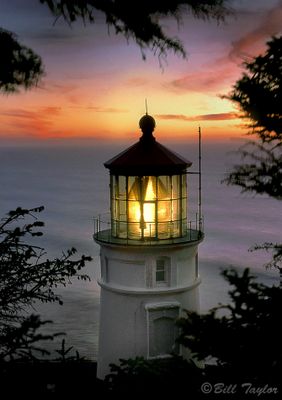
<point>148,190</point>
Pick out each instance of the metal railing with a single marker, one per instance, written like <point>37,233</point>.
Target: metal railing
<point>105,230</point>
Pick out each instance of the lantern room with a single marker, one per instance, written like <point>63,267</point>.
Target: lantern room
<point>148,190</point>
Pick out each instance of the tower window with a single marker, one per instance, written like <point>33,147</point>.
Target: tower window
<point>161,271</point>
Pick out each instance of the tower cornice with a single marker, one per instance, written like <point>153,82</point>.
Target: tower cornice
<point>148,291</point>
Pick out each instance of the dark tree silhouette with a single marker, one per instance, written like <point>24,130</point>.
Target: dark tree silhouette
<point>242,340</point>
<point>20,66</point>
<point>233,344</point>
<point>258,95</point>
<point>140,20</point>
<point>26,277</point>
<point>163,377</point>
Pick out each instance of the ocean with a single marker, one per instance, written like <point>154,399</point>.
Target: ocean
<point>73,185</point>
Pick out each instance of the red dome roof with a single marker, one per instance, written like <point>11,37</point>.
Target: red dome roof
<point>147,157</point>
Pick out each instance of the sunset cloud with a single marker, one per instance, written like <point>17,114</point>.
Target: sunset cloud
<point>222,72</point>
<point>213,79</point>
<point>254,42</point>
<point>38,122</point>
<point>107,109</point>
<point>18,113</point>
<point>138,81</point>
<point>51,110</point>
<point>62,88</point>
<point>204,117</point>
<point>95,84</point>
<point>41,112</point>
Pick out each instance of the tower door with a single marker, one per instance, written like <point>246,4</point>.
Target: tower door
<point>164,336</point>
<point>161,329</point>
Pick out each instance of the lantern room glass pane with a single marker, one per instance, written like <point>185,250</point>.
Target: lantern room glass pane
<point>121,212</point>
<point>176,187</point>
<point>152,207</point>
<point>149,190</point>
<point>176,213</point>
<point>164,187</point>
<point>121,189</point>
<point>134,211</point>
<point>122,229</point>
<point>164,230</point>
<point>164,211</point>
<point>133,188</point>
<point>149,212</point>
<point>134,231</point>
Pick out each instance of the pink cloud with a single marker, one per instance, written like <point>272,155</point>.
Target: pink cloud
<point>137,82</point>
<point>62,88</point>
<point>68,90</point>
<point>225,70</point>
<point>212,79</point>
<point>254,41</point>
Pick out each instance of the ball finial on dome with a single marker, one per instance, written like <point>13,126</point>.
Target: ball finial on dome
<point>147,124</point>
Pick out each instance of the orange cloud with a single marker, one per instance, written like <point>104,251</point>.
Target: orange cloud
<point>204,117</point>
<point>57,122</point>
<point>51,110</point>
<point>107,109</point>
<point>37,122</point>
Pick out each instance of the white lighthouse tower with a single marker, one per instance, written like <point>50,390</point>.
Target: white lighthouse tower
<point>149,253</point>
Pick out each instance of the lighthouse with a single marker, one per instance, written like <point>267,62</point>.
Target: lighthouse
<point>148,253</point>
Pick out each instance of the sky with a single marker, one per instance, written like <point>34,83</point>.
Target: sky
<point>96,83</point>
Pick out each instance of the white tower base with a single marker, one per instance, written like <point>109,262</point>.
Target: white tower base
<point>144,289</point>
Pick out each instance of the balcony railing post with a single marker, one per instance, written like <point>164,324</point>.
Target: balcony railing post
<point>190,232</point>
